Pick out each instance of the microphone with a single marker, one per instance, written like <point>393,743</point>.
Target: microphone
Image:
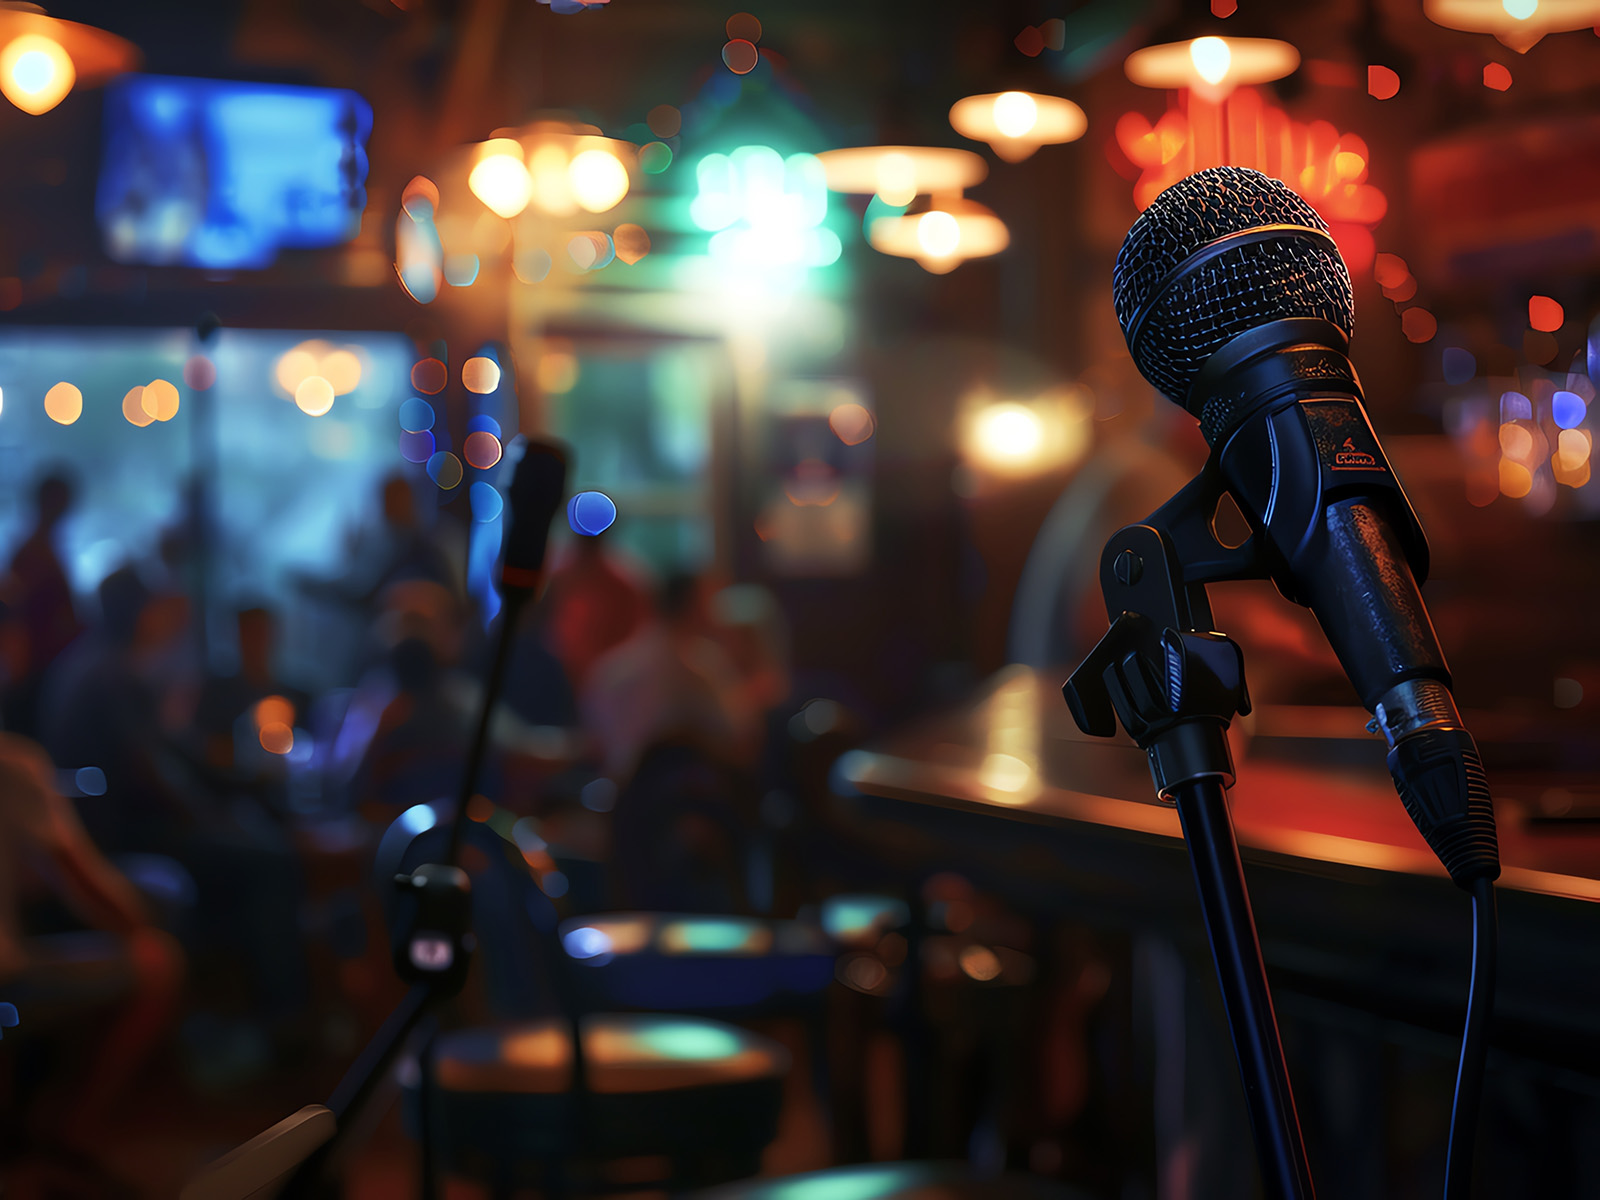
<point>535,496</point>
<point>1236,305</point>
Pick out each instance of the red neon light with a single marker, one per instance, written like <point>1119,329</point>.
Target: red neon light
<point>1326,167</point>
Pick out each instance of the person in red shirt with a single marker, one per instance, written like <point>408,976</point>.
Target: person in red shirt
<point>591,605</point>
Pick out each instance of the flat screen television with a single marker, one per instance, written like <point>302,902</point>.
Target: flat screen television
<point>223,174</point>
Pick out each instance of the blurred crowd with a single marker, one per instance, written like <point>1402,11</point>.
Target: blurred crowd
<point>185,848</point>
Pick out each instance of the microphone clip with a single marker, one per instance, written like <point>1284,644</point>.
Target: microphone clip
<point>1172,683</point>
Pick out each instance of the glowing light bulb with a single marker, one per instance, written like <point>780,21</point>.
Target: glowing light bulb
<point>897,179</point>
<point>1520,9</point>
<point>599,181</point>
<point>1015,113</point>
<point>501,181</point>
<point>63,403</point>
<point>1211,58</point>
<point>35,73</point>
<point>1007,435</point>
<point>938,234</point>
<point>314,396</point>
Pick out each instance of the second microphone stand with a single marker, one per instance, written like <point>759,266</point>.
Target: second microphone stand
<point>1175,685</point>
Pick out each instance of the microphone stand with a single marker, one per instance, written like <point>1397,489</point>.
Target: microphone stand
<point>1175,686</point>
<point>432,945</point>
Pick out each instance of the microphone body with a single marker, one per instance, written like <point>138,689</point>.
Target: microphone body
<point>1236,304</point>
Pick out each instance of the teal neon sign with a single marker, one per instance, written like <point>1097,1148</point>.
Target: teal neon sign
<point>764,210</point>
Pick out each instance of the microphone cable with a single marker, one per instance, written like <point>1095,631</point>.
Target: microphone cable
<point>1474,1044</point>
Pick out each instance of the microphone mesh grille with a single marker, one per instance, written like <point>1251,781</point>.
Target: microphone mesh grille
<point>1242,288</point>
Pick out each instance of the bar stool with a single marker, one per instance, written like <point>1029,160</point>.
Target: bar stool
<point>667,1102</point>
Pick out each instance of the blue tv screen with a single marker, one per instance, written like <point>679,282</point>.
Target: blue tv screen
<point>223,174</point>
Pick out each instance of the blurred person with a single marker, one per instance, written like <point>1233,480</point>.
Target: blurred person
<point>226,701</point>
<point>670,681</point>
<point>591,604</point>
<point>417,748</point>
<point>42,598</point>
<point>102,710</point>
<point>113,986</point>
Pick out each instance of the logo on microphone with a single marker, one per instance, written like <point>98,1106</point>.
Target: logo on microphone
<point>1350,458</point>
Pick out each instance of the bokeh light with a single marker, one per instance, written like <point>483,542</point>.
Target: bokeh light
<point>591,513</point>
<point>1517,442</point>
<point>599,181</point>
<point>1567,409</point>
<point>277,738</point>
<point>1545,314</point>
<point>1572,448</point>
<point>293,367</point>
<point>1383,83</point>
<point>1516,480</point>
<point>483,423</point>
<point>1418,324</point>
<point>1459,365</point>
<point>480,375</point>
<point>851,423</point>
<point>273,710</point>
<point>1211,58</point>
<point>133,408</point>
<point>159,400</point>
<point>63,403</point>
<point>980,963</point>
<point>655,157</point>
<point>445,469</point>
<point>486,501</point>
<point>1015,113</point>
<point>1497,77</point>
<point>342,370</point>
<point>740,56</point>
<point>314,396</point>
<point>1007,435</point>
<point>1514,406</point>
<point>417,446</point>
<point>199,373</point>
<point>429,377</point>
<point>744,26</point>
<point>416,415</point>
<point>664,121</point>
<point>938,234</point>
<point>481,450</point>
<point>36,73</point>
<point>630,242</point>
<point>500,180</point>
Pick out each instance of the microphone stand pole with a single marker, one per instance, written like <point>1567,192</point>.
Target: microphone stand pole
<point>1175,686</point>
<point>432,946</point>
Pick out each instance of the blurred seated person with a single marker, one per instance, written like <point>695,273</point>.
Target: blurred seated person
<point>102,710</point>
<point>401,549</point>
<point>227,706</point>
<point>592,603</point>
<point>111,988</point>
<point>416,750</point>
<point>670,682</point>
<point>42,597</point>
